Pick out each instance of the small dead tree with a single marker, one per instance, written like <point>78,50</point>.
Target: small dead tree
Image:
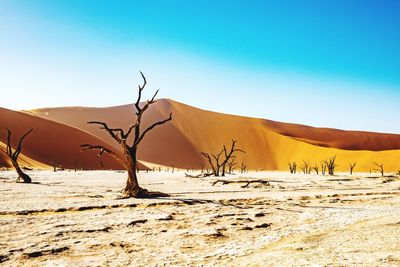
<point>380,168</point>
<point>231,164</point>
<point>306,167</point>
<point>315,168</point>
<point>76,163</point>
<point>229,154</point>
<point>215,167</point>
<point>351,166</point>
<point>243,167</point>
<point>217,162</point>
<point>292,167</point>
<point>330,164</point>
<point>129,160</point>
<point>13,155</point>
<point>323,168</point>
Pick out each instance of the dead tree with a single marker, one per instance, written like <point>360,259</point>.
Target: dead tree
<point>351,166</point>
<point>243,167</point>
<point>13,155</point>
<point>129,160</point>
<point>229,154</point>
<point>323,168</point>
<point>306,167</point>
<point>231,164</point>
<point>380,168</point>
<point>315,168</point>
<point>330,164</point>
<point>215,167</point>
<point>292,167</point>
<point>76,163</point>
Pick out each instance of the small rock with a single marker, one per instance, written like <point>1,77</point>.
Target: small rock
<point>133,223</point>
<point>264,225</point>
<point>260,214</point>
<point>247,228</point>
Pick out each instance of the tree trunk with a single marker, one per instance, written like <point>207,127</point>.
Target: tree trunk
<point>21,175</point>
<point>132,187</point>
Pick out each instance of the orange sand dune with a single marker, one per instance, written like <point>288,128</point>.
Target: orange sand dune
<point>51,142</point>
<point>23,160</point>
<point>327,137</point>
<point>268,147</point>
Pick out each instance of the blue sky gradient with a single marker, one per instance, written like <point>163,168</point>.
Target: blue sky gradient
<point>323,63</point>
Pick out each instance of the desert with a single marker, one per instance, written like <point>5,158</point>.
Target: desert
<point>77,219</point>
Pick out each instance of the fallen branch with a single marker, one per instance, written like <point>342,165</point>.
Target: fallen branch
<point>246,182</point>
<point>201,175</point>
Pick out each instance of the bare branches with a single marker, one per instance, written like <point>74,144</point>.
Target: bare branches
<point>14,156</point>
<point>102,150</point>
<point>110,131</point>
<point>150,128</point>
<point>19,147</point>
<point>306,167</point>
<point>330,164</point>
<point>352,165</point>
<point>380,168</point>
<point>292,167</point>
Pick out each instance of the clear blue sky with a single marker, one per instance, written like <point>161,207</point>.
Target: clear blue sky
<point>323,63</point>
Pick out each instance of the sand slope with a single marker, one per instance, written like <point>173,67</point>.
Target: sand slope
<point>52,143</point>
<point>24,161</point>
<point>268,144</point>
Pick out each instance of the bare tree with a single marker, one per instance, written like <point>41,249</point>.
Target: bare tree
<point>243,167</point>
<point>323,168</point>
<point>231,164</point>
<point>13,155</point>
<point>292,167</point>
<point>306,167</point>
<point>315,168</point>
<point>76,163</point>
<point>352,165</point>
<point>216,166</point>
<point>217,162</point>
<point>229,154</point>
<point>380,168</point>
<point>330,164</point>
<point>129,161</point>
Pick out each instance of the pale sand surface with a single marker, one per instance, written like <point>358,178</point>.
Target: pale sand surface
<point>75,219</point>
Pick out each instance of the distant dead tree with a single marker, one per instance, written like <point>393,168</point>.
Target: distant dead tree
<point>351,166</point>
<point>129,161</point>
<point>243,167</point>
<point>13,155</point>
<point>76,163</point>
<point>229,154</point>
<point>306,167</point>
<point>323,168</point>
<point>330,164</point>
<point>315,168</point>
<point>231,164</point>
<point>292,167</point>
<point>380,168</point>
<point>219,161</point>
<point>216,166</point>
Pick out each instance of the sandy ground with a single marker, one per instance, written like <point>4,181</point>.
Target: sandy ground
<point>76,219</point>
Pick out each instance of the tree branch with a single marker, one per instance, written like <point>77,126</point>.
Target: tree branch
<point>152,127</point>
<point>18,150</point>
<point>111,131</point>
<point>102,150</point>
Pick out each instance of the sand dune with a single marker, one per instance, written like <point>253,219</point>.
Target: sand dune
<point>24,161</point>
<point>51,142</point>
<point>269,145</point>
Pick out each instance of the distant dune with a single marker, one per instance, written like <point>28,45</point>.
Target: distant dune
<point>269,145</point>
<point>51,142</point>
